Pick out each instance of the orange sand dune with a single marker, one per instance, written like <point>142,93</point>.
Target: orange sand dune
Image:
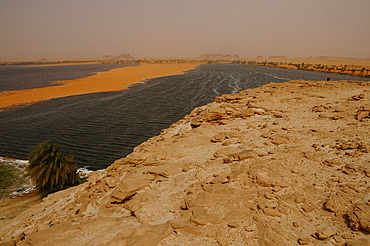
<point>114,80</point>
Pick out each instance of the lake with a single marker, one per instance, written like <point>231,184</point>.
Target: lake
<point>99,128</point>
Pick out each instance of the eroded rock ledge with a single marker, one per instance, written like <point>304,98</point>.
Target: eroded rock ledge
<point>282,164</point>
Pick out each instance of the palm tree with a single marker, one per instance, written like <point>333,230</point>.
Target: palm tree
<point>50,169</point>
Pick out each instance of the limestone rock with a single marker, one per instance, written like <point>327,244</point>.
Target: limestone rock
<point>336,204</point>
<point>359,217</point>
<point>111,181</point>
<point>358,97</point>
<point>325,233</point>
<point>247,112</point>
<point>362,114</point>
<point>267,236</point>
<point>201,216</point>
<point>130,185</point>
<point>9,243</point>
<point>278,139</point>
<point>225,151</point>
<point>245,154</point>
<point>272,212</point>
<point>216,113</point>
<point>196,121</point>
<point>359,242</point>
<point>220,137</point>
<point>304,241</point>
<point>149,235</point>
<point>230,98</point>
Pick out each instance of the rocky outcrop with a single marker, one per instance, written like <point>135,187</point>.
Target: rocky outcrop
<point>282,164</point>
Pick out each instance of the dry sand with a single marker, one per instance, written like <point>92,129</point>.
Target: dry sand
<point>114,80</point>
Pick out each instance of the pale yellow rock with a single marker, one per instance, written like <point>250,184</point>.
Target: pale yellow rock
<point>220,137</point>
<point>247,112</point>
<point>336,204</point>
<point>130,185</point>
<point>272,212</point>
<point>325,233</point>
<point>362,114</point>
<point>359,242</point>
<point>149,235</point>
<point>304,241</point>
<point>359,217</point>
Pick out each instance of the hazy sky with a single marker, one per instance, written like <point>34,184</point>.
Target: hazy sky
<point>34,29</point>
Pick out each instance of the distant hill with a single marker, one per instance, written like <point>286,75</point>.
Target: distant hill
<point>276,56</point>
<point>124,57</point>
<point>218,57</point>
<point>120,57</point>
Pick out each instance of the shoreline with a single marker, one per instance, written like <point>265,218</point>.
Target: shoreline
<point>283,162</point>
<point>114,80</point>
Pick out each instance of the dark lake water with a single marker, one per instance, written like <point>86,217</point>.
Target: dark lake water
<point>102,127</point>
<point>27,77</point>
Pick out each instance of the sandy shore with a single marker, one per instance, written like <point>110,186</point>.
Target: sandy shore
<point>113,80</point>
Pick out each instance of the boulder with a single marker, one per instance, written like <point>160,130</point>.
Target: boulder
<point>201,216</point>
<point>196,121</point>
<point>359,217</point>
<point>359,242</point>
<point>216,113</point>
<point>357,97</point>
<point>304,241</point>
<point>325,233</point>
<point>220,137</point>
<point>336,204</point>
<point>247,112</point>
<point>245,154</point>
<point>362,114</point>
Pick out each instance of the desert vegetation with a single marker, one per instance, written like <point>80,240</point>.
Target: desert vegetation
<point>50,169</point>
<point>355,70</point>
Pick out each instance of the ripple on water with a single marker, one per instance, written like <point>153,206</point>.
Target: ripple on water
<point>102,127</point>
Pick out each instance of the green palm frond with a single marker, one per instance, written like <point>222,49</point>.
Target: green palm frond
<point>50,169</point>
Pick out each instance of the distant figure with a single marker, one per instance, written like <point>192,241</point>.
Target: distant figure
<point>327,78</point>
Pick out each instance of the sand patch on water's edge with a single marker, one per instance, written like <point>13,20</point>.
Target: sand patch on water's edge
<point>113,80</point>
